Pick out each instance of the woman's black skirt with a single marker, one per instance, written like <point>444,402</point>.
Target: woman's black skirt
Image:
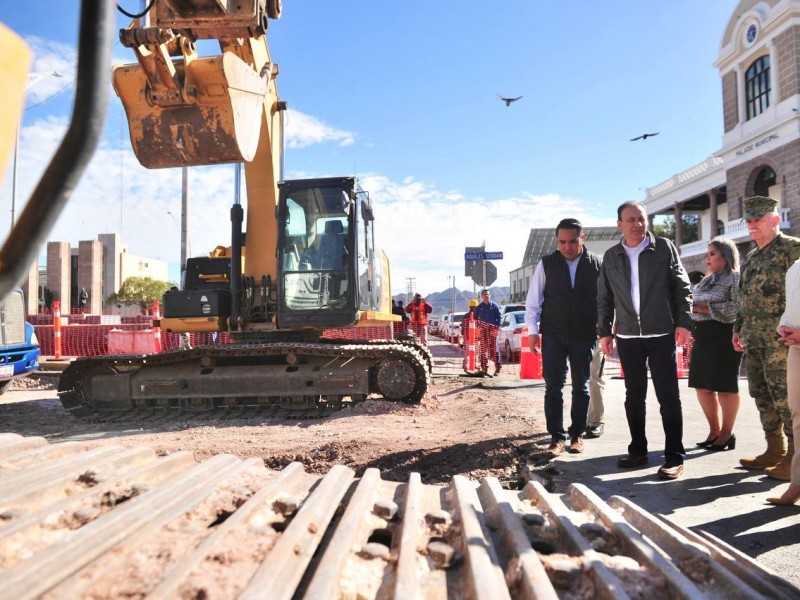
<point>714,364</point>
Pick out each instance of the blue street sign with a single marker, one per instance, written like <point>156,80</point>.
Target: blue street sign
<point>483,256</point>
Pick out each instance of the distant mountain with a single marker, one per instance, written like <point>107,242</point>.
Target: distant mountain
<point>441,301</point>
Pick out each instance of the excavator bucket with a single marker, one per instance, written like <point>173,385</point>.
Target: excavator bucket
<point>217,119</point>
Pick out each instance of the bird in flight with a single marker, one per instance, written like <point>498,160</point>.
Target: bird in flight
<point>644,136</point>
<point>508,101</point>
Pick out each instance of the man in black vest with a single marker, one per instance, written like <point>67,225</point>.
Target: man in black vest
<point>561,315</point>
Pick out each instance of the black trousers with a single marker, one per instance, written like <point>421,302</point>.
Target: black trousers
<point>636,354</point>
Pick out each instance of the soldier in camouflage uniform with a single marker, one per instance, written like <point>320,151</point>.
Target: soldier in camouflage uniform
<point>763,301</point>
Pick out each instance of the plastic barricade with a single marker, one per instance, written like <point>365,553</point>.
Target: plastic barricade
<point>56,330</point>
<point>471,343</point>
<point>131,342</point>
<point>156,327</point>
<point>530,363</point>
<point>682,356</point>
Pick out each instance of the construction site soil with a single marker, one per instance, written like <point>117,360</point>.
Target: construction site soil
<point>459,428</point>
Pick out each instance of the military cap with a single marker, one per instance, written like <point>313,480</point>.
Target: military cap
<point>756,207</point>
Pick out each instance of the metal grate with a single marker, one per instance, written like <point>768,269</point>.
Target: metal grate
<point>114,522</point>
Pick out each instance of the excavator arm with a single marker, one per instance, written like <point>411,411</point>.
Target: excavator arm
<point>188,110</point>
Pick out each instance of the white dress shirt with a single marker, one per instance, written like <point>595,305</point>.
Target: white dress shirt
<point>791,315</point>
<point>535,298</point>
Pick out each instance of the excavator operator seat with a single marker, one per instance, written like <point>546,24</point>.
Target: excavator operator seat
<point>332,246</point>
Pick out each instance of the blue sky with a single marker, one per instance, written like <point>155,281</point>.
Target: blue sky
<point>404,96</point>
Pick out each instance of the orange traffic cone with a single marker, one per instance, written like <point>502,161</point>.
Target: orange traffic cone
<point>156,327</point>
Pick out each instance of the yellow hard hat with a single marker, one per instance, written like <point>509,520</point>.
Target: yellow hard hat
<point>473,303</point>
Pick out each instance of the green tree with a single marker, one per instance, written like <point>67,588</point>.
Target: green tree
<point>666,228</point>
<point>141,291</point>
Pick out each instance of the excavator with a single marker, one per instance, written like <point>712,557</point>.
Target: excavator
<point>302,280</point>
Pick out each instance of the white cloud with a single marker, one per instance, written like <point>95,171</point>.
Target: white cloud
<point>425,231</point>
<point>303,130</point>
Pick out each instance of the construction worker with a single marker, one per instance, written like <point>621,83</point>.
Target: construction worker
<point>488,313</point>
<point>419,311</point>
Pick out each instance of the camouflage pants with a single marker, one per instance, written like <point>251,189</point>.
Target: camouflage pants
<point>766,376</point>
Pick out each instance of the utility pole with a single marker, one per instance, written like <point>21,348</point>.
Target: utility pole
<point>411,284</point>
<point>452,292</point>
<point>184,221</point>
<point>31,80</point>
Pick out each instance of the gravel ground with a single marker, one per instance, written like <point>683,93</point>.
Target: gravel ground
<point>458,428</point>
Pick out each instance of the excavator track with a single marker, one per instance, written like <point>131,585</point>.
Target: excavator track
<point>114,522</point>
<point>240,380</point>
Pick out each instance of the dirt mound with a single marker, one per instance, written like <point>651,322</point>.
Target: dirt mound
<point>459,428</point>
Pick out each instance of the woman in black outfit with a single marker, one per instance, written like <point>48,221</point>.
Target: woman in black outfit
<point>714,364</point>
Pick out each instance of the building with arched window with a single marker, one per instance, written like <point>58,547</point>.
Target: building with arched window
<point>759,65</point>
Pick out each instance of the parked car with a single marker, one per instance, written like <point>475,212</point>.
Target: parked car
<point>513,333</point>
<point>434,325</point>
<point>507,308</point>
<point>444,324</point>
<point>451,331</point>
<point>19,348</point>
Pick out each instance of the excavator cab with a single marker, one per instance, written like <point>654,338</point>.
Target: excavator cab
<point>317,245</point>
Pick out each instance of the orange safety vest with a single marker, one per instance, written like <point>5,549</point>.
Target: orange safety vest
<point>418,313</point>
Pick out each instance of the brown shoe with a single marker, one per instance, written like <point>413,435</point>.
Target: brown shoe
<point>576,445</point>
<point>670,470</point>
<point>782,471</point>
<point>632,460</point>
<point>775,452</point>
<point>556,447</point>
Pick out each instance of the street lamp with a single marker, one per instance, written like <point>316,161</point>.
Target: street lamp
<point>178,227</point>
<point>33,79</point>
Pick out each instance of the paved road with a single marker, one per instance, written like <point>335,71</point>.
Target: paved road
<point>715,493</point>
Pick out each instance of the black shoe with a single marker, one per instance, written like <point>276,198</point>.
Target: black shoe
<point>632,460</point>
<point>707,443</point>
<point>594,432</point>
<point>729,445</point>
<point>670,470</point>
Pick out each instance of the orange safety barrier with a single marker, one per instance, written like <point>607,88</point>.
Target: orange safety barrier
<point>530,363</point>
<point>131,342</point>
<point>156,327</point>
<point>471,343</point>
<point>682,356</point>
<point>56,330</point>
<point>135,331</point>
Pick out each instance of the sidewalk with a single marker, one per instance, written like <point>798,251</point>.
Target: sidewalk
<point>715,494</point>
